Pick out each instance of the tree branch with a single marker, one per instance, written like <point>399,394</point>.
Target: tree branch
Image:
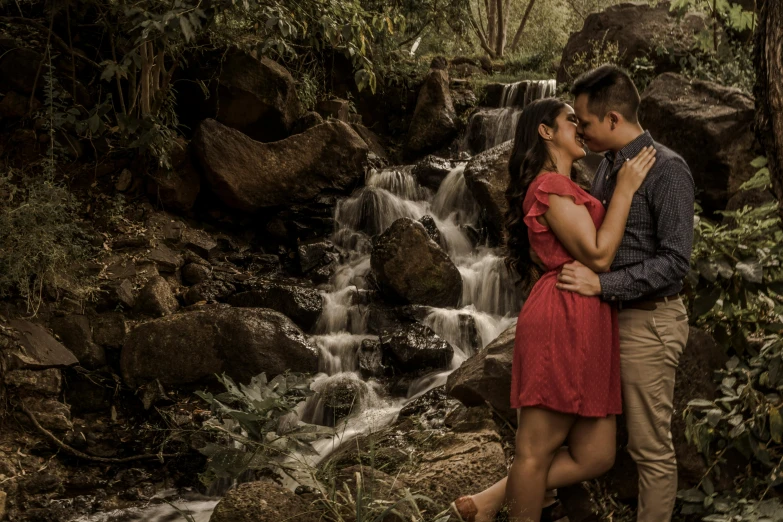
<point>73,451</point>
<point>522,24</point>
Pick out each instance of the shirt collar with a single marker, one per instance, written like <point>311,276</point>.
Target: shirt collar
<point>630,150</point>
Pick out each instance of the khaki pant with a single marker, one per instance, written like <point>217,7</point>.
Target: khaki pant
<point>651,343</point>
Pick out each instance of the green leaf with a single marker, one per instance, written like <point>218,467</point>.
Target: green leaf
<point>187,29</point>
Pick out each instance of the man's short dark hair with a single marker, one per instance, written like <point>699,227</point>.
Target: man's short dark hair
<point>608,88</point>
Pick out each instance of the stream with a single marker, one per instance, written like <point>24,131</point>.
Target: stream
<point>488,305</point>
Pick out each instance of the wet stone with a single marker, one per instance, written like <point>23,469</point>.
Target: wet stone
<point>432,228</point>
<point>371,359</point>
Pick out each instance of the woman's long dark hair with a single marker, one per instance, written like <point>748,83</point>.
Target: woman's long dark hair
<point>528,157</point>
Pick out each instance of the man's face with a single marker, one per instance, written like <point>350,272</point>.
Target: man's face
<point>596,134</point>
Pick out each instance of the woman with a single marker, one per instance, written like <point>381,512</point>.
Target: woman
<point>566,368</point>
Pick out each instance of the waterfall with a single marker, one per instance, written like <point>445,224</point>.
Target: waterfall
<point>489,127</point>
<point>488,305</point>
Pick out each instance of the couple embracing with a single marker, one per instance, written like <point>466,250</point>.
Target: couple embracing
<point>604,326</point>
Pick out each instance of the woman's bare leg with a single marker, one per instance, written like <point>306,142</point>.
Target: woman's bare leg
<point>539,436</point>
<point>590,453</point>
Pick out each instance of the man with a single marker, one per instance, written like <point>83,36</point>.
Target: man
<point>646,276</point>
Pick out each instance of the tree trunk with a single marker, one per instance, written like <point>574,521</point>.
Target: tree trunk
<point>500,41</point>
<point>492,23</point>
<point>768,91</point>
<point>522,24</point>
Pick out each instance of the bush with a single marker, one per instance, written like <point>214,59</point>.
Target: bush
<point>737,281</point>
<point>39,237</point>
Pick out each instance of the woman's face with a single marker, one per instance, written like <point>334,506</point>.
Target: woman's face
<point>565,139</point>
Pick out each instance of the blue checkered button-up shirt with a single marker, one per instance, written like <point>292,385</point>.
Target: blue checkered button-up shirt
<point>655,252</point>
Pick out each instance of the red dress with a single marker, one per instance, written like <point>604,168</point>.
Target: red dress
<point>567,349</point>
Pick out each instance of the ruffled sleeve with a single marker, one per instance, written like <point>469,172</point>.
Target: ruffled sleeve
<point>542,187</point>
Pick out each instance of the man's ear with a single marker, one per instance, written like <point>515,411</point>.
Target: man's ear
<point>615,118</point>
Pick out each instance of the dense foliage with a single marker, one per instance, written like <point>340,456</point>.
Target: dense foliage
<point>737,280</point>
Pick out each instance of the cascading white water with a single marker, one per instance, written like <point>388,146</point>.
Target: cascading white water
<point>488,305</point>
<point>489,127</point>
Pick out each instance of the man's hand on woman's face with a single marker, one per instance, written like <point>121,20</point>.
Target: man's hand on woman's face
<point>576,277</point>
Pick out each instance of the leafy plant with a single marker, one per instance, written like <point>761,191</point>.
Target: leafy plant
<point>601,52</point>
<point>736,276</point>
<point>249,421</point>
<point>738,286</point>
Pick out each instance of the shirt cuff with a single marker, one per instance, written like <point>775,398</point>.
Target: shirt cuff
<point>611,285</point>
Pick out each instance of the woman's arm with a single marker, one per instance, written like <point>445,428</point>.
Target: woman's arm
<point>574,227</point>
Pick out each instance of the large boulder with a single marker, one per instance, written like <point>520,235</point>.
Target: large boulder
<point>411,268</point>
<point>710,126</point>
<point>194,346</point>
<point>257,501</point>
<point>486,377</point>
<point>257,97</point>
<point>434,122</point>
<point>486,175</point>
<point>248,175</point>
<point>637,29</point>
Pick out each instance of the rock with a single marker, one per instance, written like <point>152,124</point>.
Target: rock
<point>372,140</point>
<point>3,499</point>
<point>315,254</point>
<point>638,30</point>
<point>337,109</point>
<point>29,346</point>
<point>416,347</point>
<point>301,304</point>
<point>198,242</point>
<point>456,463</point>
<point>249,175</point>
<point>370,358</point>
<point>211,291</point>
<point>692,117</point>
<point>123,293</point>
<point>412,268</point>
<point>260,501</point>
<point>434,121</point>
<point>309,120</point>
<point>109,330</point>
<point>165,259</point>
<point>76,335</point>
<point>44,382</point>
<point>432,228</point>
<point>340,395</point>
<point>194,273</point>
<point>257,97</point>
<point>486,377</point>
<point>156,298</point>
<point>178,187</point>
<point>193,346</point>
<point>486,176</point>
<point>431,171</point>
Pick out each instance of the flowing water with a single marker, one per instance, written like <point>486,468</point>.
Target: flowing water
<point>488,304</point>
